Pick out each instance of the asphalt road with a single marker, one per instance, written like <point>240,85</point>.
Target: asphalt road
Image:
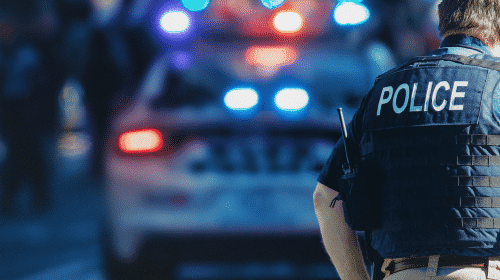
<point>60,244</point>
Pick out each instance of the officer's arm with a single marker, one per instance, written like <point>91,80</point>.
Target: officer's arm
<point>341,242</point>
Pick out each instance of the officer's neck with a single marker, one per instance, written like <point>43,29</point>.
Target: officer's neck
<point>493,45</point>
<point>495,50</point>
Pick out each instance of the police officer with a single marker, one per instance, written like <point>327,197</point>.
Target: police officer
<point>30,78</point>
<point>431,130</point>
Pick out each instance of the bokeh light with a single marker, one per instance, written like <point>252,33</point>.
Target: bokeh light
<point>288,22</point>
<point>270,55</point>
<point>141,141</point>
<point>195,5</point>
<point>106,10</point>
<point>106,5</point>
<point>350,13</point>
<point>74,144</point>
<point>182,60</point>
<point>241,98</point>
<point>175,22</point>
<point>271,4</point>
<point>291,99</point>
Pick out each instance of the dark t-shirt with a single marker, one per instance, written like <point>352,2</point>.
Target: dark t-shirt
<point>333,167</point>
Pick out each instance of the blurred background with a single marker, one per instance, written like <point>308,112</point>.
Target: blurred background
<point>181,139</point>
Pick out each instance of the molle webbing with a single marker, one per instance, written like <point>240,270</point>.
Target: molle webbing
<point>456,181</point>
<point>433,224</point>
<point>449,202</point>
<point>396,161</point>
<point>408,140</point>
<point>420,153</point>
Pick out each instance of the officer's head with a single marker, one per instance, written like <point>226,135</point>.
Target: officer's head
<point>476,18</point>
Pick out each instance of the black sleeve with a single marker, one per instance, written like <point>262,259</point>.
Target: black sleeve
<point>328,175</point>
<point>332,170</point>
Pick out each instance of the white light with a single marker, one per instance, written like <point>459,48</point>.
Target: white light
<point>351,13</point>
<point>287,22</point>
<point>175,22</point>
<point>241,98</point>
<point>291,99</point>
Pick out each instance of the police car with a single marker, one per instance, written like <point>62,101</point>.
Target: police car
<point>210,169</point>
<point>196,178</point>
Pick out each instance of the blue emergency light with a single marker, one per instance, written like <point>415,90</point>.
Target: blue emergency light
<point>291,99</point>
<point>351,12</point>
<point>195,5</point>
<point>271,4</point>
<point>241,98</point>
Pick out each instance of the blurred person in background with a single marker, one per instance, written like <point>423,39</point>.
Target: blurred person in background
<point>431,159</point>
<point>107,52</point>
<point>96,56</point>
<point>106,71</point>
<point>30,79</point>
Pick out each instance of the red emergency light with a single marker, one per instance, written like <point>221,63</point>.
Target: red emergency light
<point>270,55</point>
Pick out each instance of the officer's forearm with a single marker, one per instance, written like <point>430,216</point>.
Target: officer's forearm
<point>341,242</point>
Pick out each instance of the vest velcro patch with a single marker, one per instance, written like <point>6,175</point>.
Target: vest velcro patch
<point>426,96</point>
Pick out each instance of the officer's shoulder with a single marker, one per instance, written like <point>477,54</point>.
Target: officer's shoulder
<point>485,61</point>
<point>397,68</point>
<point>486,57</point>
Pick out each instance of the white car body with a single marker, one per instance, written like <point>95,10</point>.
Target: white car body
<point>251,178</point>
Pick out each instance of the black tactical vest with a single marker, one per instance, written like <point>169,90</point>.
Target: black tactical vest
<point>430,129</point>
